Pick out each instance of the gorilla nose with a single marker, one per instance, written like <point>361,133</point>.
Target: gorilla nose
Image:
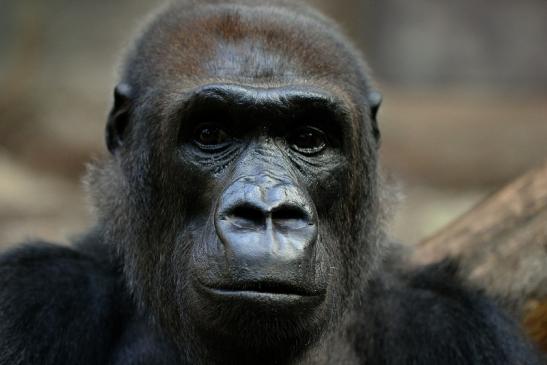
<point>265,224</point>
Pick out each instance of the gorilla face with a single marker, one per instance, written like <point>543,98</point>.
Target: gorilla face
<point>270,155</point>
<point>243,203</point>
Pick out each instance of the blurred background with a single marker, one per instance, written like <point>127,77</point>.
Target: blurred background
<point>464,84</point>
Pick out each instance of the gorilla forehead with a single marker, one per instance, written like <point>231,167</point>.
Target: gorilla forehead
<point>242,42</point>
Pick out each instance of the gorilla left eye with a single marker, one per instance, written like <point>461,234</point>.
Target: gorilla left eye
<point>308,141</point>
<point>210,136</point>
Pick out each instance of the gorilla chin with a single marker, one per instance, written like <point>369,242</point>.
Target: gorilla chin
<point>287,315</point>
<point>250,302</point>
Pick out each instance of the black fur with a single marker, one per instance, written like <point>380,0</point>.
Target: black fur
<point>240,217</point>
<point>62,306</point>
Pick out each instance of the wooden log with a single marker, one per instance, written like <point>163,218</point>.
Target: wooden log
<point>502,247</point>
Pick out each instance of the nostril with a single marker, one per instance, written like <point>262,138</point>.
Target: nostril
<point>246,215</point>
<point>290,215</point>
<point>286,212</point>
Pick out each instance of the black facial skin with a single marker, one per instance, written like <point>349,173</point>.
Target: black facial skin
<point>267,155</point>
<point>240,217</point>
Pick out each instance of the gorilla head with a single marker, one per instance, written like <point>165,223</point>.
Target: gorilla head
<point>242,194</point>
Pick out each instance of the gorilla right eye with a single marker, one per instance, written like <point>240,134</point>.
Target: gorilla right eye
<point>210,136</point>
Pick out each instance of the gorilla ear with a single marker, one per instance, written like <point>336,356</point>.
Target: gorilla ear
<point>118,118</point>
<point>375,100</point>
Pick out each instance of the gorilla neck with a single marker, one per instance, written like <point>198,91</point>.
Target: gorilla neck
<point>335,347</point>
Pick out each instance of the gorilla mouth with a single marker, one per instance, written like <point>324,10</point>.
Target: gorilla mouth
<point>265,287</point>
<point>263,290</point>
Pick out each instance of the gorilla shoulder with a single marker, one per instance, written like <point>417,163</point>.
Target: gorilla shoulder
<point>432,313</point>
<point>56,306</point>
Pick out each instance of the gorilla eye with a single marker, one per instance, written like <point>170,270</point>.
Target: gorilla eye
<point>210,136</point>
<point>308,141</point>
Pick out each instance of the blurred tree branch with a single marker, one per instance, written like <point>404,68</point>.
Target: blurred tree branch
<point>502,246</point>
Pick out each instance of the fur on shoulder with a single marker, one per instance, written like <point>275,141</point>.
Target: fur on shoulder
<point>56,306</point>
<point>432,316</point>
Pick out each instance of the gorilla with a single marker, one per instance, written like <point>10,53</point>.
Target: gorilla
<point>239,217</point>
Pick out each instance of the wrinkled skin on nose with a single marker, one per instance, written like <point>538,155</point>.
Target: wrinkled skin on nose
<point>266,226</point>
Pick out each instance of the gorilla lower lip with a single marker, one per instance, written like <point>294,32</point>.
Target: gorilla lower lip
<point>263,291</point>
<point>263,300</point>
